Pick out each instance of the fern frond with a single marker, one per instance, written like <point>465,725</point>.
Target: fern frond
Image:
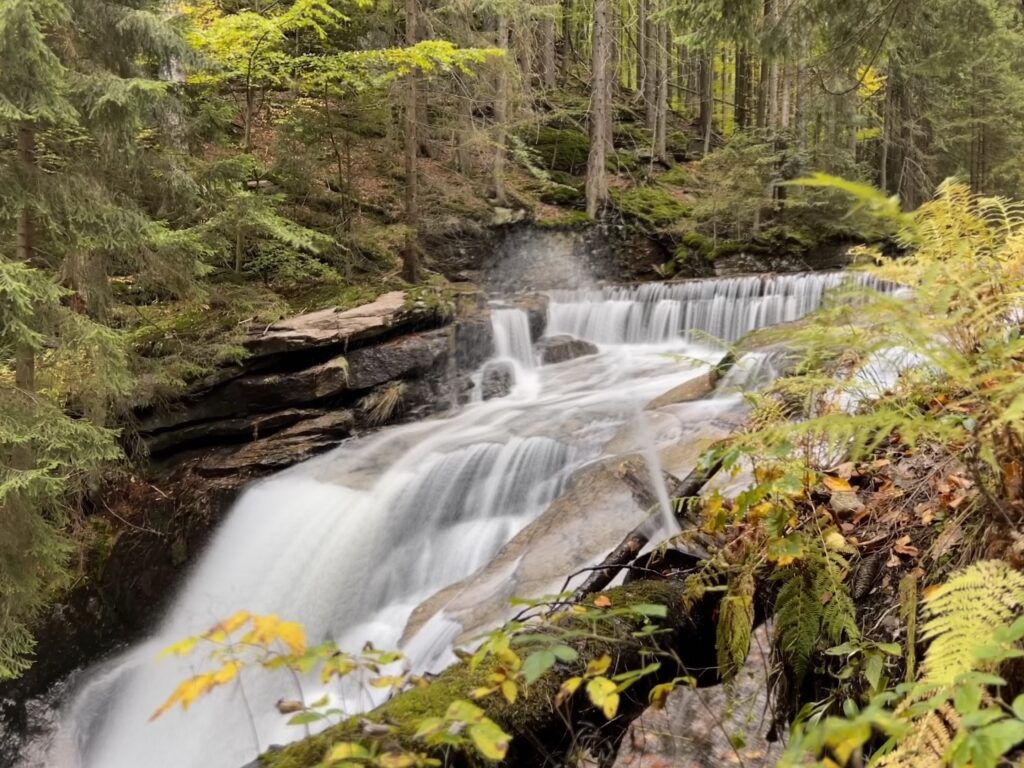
<point>735,626</point>
<point>925,745</point>
<point>964,613</point>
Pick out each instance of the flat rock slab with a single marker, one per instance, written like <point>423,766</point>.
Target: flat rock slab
<point>329,327</point>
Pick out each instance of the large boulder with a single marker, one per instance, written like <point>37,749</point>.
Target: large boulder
<point>561,349</point>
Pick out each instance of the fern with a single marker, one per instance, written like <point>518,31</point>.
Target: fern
<point>735,626</point>
<point>964,614</point>
<point>813,604</point>
<point>925,744</point>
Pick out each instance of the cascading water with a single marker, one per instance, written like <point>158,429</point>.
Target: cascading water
<point>349,543</point>
<point>723,309</point>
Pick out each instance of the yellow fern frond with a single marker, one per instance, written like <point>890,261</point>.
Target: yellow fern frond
<point>924,746</point>
<point>964,613</point>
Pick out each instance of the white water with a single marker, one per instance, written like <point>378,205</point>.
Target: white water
<point>349,543</point>
<point>721,310</point>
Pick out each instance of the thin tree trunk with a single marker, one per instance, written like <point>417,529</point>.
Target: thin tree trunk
<point>661,119</point>
<point>410,256</point>
<point>24,355</point>
<point>651,67</point>
<point>740,110</point>
<point>549,62</point>
<point>641,46</point>
<point>762,94</point>
<point>500,113</point>
<point>597,178</point>
<point>706,100</point>
<point>786,86</point>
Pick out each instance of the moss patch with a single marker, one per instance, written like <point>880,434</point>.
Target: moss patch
<point>560,149</point>
<point>652,205</point>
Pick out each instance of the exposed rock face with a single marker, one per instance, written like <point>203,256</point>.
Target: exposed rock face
<point>331,328</point>
<point>497,380</point>
<point>531,258</point>
<point>699,728</point>
<point>561,349</point>
<point>323,361</point>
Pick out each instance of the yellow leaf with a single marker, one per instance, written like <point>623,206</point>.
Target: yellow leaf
<point>610,705</point>
<point>186,693</point>
<point>480,693</point>
<point>180,648</point>
<point>220,632</point>
<point>396,760</point>
<point>602,601</point>
<point>388,681</point>
<point>509,691</point>
<point>837,484</point>
<point>659,694</point>
<point>489,739</point>
<point>599,689</point>
<point>569,687</point>
<point>347,750</point>
<point>268,629</point>
<point>599,666</point>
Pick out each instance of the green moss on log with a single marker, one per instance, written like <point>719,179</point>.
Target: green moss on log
<point>533,712</point>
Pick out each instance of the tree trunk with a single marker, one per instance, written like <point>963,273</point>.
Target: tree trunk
<point>549,62</point>
<point>24,355</point>
<point>651,47</point>
<point>641,47</point>
<point>762,94</point>
<point>706,76</point>
<point>410,256</point>
<point>500,113</point>
<point>784,106</point>
<point>661,119</point>
<point>740,109</point>
<point>597,176</point>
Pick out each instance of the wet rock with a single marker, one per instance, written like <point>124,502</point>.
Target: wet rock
<point>709,727</point>
<point>535,305</point>
<point>497,380</point>
<point>561,349</point>
<point>696,387</point>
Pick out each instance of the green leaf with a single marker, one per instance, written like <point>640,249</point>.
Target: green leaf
<point>536,664</point>
<point>305,718</point>
<point>650,610</point>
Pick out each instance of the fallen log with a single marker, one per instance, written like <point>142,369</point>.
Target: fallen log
<point>545,732</point>
<point>629,549</point>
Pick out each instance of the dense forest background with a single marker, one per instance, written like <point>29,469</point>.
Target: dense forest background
<point>172,176</point>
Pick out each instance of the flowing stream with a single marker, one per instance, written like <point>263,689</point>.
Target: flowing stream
<point>351,542</point>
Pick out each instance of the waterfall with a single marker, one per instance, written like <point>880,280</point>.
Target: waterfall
<point>512,336</point>
<point>700,310</point>
<point>351,542</point>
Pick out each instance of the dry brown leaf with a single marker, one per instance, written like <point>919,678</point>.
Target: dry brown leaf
<point>904,547</point>
<point>951,535</point>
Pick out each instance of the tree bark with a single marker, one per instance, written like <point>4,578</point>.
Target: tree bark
<point>24,355</point>
<point>549,62</point>
<point>597,175</point>
<point>741,110</point>
<point>410,256</point>
<point>706,76</point>
<point>501,113</point>
<point>661,116</point>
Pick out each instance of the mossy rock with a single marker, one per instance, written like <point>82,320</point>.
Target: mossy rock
<point>694,243</point>
<point>652,205</point>
<point>565,220</point>
<point>560,149</point>
<point>562,194</point>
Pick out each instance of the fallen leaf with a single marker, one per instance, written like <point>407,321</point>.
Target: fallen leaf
<point>904,547</point>
<point>602,601</point>
<point>846,470</point>
<point>951,535</point>
<point>837,484</point>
